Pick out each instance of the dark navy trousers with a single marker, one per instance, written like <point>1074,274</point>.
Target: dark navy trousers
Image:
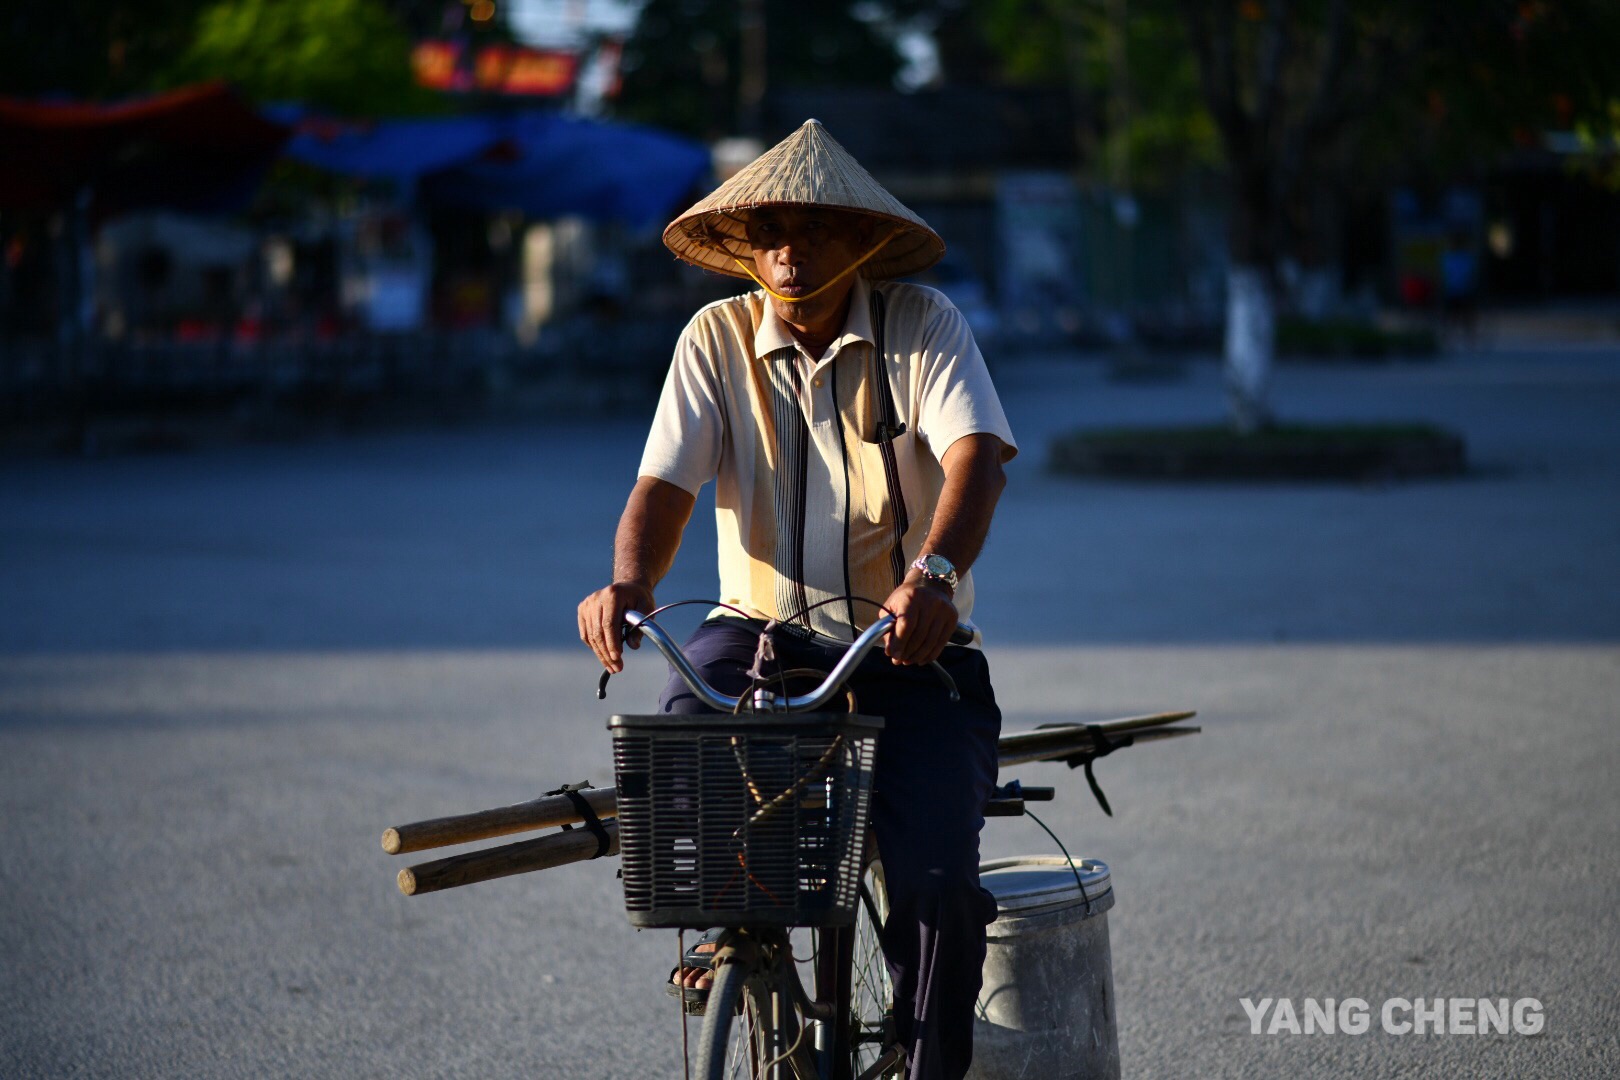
<point>936,767</point>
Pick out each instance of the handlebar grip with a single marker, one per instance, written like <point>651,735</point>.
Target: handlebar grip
<point>962,635</point>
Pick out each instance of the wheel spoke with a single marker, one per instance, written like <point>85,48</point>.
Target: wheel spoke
<point>871,994</point>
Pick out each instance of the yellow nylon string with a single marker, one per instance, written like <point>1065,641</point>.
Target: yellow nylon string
<point>854,266</point>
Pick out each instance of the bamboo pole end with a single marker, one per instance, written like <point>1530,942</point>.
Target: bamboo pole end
<point>407,882</point>
<point>391,841</point>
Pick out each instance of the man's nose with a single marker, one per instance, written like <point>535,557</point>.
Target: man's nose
<point>792,249</point>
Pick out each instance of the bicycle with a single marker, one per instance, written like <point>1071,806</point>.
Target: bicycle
<point>780,789</point>
<point>814,768</point>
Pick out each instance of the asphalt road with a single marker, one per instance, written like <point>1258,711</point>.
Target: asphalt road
<point>222,674</point>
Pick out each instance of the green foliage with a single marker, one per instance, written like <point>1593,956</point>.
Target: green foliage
<point>682,64</point>
<point>1163,130</point>
<point>1599,140</point>
<point>1032,38</point>
<point>1416,90</point>
<point>1352,338</point>
<point>1132,77</point>
<point>1459,85</point>
<point>96,49</point>
<point>346,56</point>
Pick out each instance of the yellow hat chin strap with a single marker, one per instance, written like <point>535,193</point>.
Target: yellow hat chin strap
<point>850,269</point>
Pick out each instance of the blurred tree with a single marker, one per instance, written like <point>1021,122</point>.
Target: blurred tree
<point>1138,107</point>
<point>1306,93</point>
<point>1599,140</point>
<point>346,56</point>
<point>108,49</point>
<point>685,63</point>
<point>1304,99</point>
<point>96,49</point>
<point>967,56</point>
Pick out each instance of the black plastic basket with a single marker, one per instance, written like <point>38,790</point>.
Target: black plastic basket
<point>743,820</point>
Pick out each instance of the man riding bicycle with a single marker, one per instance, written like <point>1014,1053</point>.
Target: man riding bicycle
<point>856,444</point>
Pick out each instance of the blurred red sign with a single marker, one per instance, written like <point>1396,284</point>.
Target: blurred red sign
<point>496,69</point>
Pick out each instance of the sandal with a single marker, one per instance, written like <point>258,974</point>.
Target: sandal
<point>694,998</point>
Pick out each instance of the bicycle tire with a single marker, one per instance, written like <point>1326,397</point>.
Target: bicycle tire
<point>871,993</point>
<point>728,1046</point>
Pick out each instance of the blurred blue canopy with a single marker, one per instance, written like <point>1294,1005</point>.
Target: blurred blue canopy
<point>545,165</point>
<point>554,165</point>
<point>400,150</point>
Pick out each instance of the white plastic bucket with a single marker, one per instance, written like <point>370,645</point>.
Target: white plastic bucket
<point>1046,1010</point>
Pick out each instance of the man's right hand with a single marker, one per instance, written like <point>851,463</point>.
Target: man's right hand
<point>601,616</point>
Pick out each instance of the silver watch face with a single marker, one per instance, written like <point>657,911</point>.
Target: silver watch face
<point>938,565</point>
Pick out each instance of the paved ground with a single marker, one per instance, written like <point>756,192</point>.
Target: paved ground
<point>222,674</point>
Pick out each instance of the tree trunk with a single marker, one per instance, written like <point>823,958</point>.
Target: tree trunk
<point>1250,345</point>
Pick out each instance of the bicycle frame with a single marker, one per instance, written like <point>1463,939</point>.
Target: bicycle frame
<point>765,955</point>
<point>757,967</point>
<point>821,1043</point>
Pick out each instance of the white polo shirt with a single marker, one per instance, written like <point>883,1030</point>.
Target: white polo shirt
<point>802,500</point>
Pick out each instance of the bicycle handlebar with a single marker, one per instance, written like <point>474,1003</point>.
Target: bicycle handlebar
<point>791,702</point>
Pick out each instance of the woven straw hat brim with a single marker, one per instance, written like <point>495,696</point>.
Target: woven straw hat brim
<point>808,168</point>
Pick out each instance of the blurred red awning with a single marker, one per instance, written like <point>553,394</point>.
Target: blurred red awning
<point>200,147</point>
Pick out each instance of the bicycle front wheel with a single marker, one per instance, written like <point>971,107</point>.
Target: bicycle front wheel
<point>739,1034</point>
<point>871,997</point>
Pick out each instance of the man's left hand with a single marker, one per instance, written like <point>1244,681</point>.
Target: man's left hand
<point>925,618</point>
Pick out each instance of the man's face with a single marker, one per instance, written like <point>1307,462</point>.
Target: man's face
<point>798,250</point>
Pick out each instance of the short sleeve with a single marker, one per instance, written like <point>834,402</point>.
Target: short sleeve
<point>683,446</point>
<point>955,396</point>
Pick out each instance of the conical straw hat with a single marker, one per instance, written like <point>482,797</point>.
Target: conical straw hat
<point>808,168</point>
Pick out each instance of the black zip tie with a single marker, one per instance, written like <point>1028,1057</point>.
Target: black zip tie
<point>1101,746</point>
<point>591,822</point>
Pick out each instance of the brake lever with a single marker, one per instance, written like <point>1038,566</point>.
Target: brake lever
<point>962,635</point>
<point>601,684</point>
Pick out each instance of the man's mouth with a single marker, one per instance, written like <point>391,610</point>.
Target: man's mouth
<point>793,288</point>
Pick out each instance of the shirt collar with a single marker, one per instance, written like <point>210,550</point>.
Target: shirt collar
<point>774,334</point>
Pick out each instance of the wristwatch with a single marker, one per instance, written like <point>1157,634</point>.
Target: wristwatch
<point>936,568</point>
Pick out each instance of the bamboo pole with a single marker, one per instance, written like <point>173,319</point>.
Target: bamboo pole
<point>541,853</point>
<point>1082,744</point>
<point>1065,740</point>
<point>540,813</point>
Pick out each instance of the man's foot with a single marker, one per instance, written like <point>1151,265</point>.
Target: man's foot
<point>695,977</point>
<point>691,979</point>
